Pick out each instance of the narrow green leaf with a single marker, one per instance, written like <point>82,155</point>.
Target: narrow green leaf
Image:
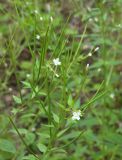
<point>70,100</point>
<point>62,132</point>
<point>56,118</point>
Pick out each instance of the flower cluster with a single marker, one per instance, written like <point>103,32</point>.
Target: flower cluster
<point>56,62</point>
<point>37,36</point>
<point>76,115</point>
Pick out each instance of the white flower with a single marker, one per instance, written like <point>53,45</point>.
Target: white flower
<point>28,75</point>
<point>96,19</point>
<point>112,95</point>
<point>87,66</point>
<point>90,54</point>
<point>51,19</point>
<point>56,75</point>
<point>76,115</point>
<point>36,11</point>
<point>56,62</point>
<point>38,37</point>
<point>41,18</point>
<point>99,69</point>
<point>96,49</point>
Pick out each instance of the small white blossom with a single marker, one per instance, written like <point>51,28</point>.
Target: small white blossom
<point>28,75</point>
<point>99,69</point>
<point>56,75</point>
<point>76,115</point>
<point>41,18</point>
<point>51,19</point>
<point>96,19</point>
<point>36,11</point>
<point>38,37</point>
<point>56,62</point>
<point>96,49</point>
<point>90,54</point>
<point>112,95</point>
<point>87,66</point>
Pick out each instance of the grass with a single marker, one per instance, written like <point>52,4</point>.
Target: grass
<point>38,98</point>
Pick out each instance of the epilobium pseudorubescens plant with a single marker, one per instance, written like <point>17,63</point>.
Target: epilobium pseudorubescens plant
<point>50,93</point>
<point>53,100</point>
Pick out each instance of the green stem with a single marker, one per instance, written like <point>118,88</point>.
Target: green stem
<point>23,141</point>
